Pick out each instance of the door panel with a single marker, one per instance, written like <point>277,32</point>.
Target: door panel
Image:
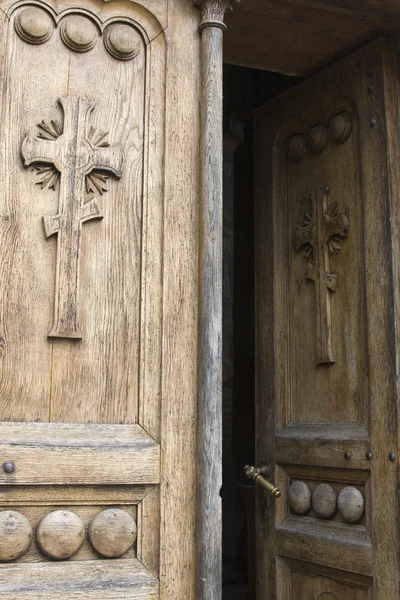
<point>326,389</point>
<point>80,315</point>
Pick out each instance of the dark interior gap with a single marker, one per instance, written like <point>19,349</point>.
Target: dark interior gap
<point>244,90</point>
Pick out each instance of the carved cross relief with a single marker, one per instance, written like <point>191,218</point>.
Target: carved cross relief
<point>320,236</point>
<point>77,159</point>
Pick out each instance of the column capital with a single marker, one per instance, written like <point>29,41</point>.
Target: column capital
<point>213,12</point>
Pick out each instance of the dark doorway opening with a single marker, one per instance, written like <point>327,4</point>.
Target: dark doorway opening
<point>244,90</point>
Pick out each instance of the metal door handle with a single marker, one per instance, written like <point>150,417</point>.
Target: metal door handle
<point>257,476</point>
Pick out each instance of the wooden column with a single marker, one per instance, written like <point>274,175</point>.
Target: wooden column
<point>209,445</point>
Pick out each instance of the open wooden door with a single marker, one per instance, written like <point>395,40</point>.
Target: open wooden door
<point>327,297</point>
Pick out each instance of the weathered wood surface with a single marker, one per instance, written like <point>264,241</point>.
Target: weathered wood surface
<point>130,384</point>
<point>289,36</point>
<point>180,306</point>
<point>209,408</point>
<point>330,424</point>
<point>325,543</point>
<point>104,367</point>
<point>86,513</point>
<point>112,532</point>
<point>60,534</point>
<point>15,535</point>
<point>116,580</point>
<point>48,453</point>
<point>323,445</point>
<point>82,418</point>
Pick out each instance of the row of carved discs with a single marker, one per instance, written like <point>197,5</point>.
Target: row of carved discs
<point>325,501</point>
<point>61,533</point>
<point>339,130</point>
<point>35,26</point>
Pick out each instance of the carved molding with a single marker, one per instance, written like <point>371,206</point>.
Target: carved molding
<point>112,533</point>
<point>15,535</point>
<point>338,129</point>
<point>299,497</point>
<point>324,227</point>
<point>326,501</point>
<point>351,504</point>
<point>80,171</point>
<point>122,41</point>
<point>60,534</point>
<point>213,12</point>
<point>78,32</point>
<point>34,25</point>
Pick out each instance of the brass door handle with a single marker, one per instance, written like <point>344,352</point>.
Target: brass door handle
<point>257,476</point>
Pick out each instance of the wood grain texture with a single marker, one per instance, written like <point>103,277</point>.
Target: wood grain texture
<point>104,366</point>
<point>60,534</point>
<point>324,445</point>
<point>15,535</point>
<point>35,514</point>
<point>180,305</point>
<point>148,542</point>
<point>116,580</point>
<point>323,432</point>
<point>112,532</point>
<point>78,454</point>
<point>144,299</point>
<point>74,495</point>
<point>326,543</point>
<point>297,32</point>
<point>325,588</point>
<point>209,407</point>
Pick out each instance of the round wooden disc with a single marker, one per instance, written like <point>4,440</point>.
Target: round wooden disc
<point>34,25</point>
<point>112,532</point>
<point>324,501</point>
<point>317,138</point>
<point>295,148</point>
<point>78,33</point>
<point>340,127</point>
<point>15,535</point>
<point>351,504</point>
<point>122,41</point>
<point>299,497</point>
<point>60,534</point>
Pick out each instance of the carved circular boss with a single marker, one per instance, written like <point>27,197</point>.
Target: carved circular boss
<point>79,33</point>
<point>325,501</point>
<point>61,533</point>
<point>316,139</point>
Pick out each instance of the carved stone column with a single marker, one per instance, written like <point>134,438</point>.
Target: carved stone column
<point>209,446</point>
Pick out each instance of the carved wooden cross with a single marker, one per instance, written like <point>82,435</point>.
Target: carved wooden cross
<point>74,156</point>
<point>320,236</point>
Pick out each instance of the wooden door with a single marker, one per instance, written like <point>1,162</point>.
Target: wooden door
<point>81,171</point>
<point>327,349</point>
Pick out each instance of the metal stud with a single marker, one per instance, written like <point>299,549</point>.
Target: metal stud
<point>9,467</point>
<point>369,455</point>
<point>372,123</point>
<point>392,456</point>
<point>347,455</point>
<point>371,88</point>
